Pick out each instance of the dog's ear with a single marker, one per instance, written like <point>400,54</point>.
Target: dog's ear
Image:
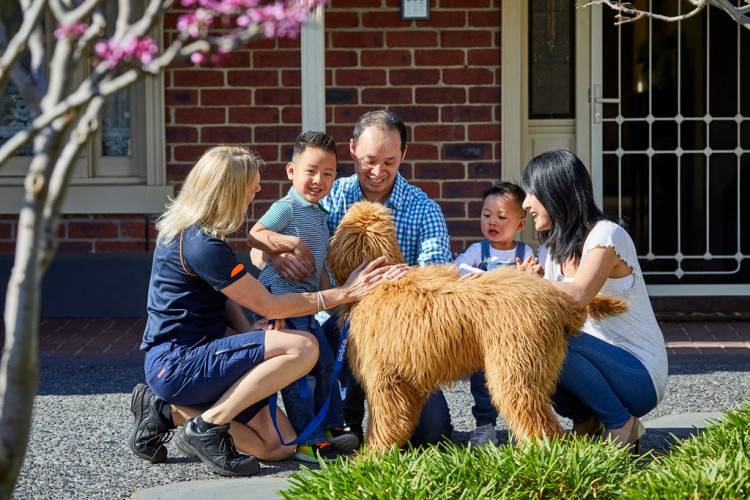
<point>366,232</point>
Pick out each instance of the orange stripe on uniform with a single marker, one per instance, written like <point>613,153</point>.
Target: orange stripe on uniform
<point>237,270</point>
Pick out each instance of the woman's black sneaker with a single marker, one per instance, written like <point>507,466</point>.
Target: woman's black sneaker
<point>215,448</point>
<point>151,428</point>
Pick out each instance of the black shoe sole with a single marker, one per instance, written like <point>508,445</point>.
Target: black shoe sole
<point>345,443</point>
<point>188,450</point>
<point>136,407</point>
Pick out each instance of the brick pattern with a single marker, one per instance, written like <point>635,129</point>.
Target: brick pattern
<point>92,233</point>
<point>119,338</point>
<point>442,76</point>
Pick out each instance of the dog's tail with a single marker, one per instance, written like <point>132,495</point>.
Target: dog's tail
<point>603,306</point>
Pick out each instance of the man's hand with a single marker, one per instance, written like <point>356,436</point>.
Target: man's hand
<point>293,265</point>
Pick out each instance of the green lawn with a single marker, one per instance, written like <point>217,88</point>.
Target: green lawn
<point>714,464</point>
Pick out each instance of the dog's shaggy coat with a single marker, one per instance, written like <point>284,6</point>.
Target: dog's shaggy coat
<point>409,336</point>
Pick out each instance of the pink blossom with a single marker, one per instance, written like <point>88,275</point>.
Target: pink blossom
<point>131,50</point>
<point>272,17</point>
<point>75,30</point>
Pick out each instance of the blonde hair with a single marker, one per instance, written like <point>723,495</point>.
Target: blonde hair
<point>214,194</point>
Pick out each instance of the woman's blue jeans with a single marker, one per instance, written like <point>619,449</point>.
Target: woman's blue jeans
<point>601,379</point>
<point>434,422</point>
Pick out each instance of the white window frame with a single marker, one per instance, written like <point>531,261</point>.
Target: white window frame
<point>146,193</point>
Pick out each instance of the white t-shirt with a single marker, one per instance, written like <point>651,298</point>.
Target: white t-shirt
<point>468,261</point>
<point>636,330</point>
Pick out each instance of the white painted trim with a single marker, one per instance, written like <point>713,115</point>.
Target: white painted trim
<point>597,172</point>
<point>697,290</point>
<point>312,49</point>
<point>513,100</point>
<point>583,80</point>
<point>97,199</point>
<point>155,149</point>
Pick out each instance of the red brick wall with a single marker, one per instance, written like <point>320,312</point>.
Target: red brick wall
<point>442,76</point>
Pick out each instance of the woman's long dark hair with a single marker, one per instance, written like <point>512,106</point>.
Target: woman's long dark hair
<point>563,185</point>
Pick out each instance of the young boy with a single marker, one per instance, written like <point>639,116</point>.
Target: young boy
<point>298,216</point>
<point>502,217</point>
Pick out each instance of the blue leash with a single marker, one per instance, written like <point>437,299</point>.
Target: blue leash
<point>315,422</point>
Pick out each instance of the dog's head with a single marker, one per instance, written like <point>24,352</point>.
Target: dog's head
<point>366,232</point>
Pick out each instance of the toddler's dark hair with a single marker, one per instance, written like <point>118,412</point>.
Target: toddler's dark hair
<point>503,188</point>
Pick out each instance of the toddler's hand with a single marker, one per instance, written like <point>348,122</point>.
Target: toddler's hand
<point>470,276</point>
<point>529,265</point>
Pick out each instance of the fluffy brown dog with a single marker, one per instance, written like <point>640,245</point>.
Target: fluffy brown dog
<point>410,336</point>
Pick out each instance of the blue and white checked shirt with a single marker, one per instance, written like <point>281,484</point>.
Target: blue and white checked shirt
<point>420,226</point>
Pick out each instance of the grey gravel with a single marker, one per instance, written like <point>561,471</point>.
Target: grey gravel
<point>78,446</point>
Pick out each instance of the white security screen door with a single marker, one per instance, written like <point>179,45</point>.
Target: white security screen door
<point>670,140</point>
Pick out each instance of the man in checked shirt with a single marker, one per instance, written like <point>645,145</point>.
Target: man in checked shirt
<point>377,148</point>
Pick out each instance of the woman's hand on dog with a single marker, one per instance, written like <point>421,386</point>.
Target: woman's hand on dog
<point>368,275</point>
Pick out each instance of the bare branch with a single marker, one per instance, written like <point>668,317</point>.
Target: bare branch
<point>17,46</point>
<point>80,12</point>
<point>627,13</point>
<point>92,32</point>
<point>123,18</point>
<point>150,16</point>
<point>57,10</point>
<point>739,14</point>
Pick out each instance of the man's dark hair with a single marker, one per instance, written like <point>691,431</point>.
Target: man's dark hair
<point>503,188</point>
<point>384,120</point>
<point>563,185</point>
<point>314,139</point>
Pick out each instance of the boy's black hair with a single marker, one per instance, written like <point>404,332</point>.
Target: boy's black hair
<point>383,119</point>
<point>562,184</point>
<point>314,139</point>
<point>503,188</point>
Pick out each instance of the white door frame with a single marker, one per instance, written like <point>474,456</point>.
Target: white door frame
<point>514,84</point>
<point>514,95</point>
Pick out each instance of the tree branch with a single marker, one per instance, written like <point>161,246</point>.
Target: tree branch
<point>92,32</point>
<point>80,12</point>
<point>17,46</point>
<point>626,13</point>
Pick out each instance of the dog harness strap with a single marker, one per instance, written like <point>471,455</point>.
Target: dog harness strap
<point>315,422</point>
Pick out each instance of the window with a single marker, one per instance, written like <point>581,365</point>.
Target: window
<point>121,169</point>
<point>551,52</point>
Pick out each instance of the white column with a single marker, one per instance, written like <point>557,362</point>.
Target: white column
<point>313,72</point>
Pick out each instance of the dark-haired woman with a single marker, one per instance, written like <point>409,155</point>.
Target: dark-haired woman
<point>616,369</point>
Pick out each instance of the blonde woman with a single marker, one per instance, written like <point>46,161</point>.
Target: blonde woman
<point>215,385</point>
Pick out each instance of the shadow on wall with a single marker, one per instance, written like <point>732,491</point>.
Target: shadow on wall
<point>92,285</point>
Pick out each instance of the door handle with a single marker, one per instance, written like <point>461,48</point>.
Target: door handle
<point>597,100</point>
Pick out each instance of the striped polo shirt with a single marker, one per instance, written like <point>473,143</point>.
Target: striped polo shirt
<point>293,215</point>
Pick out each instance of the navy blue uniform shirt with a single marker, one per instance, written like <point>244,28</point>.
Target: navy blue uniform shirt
<point>185,303</point>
